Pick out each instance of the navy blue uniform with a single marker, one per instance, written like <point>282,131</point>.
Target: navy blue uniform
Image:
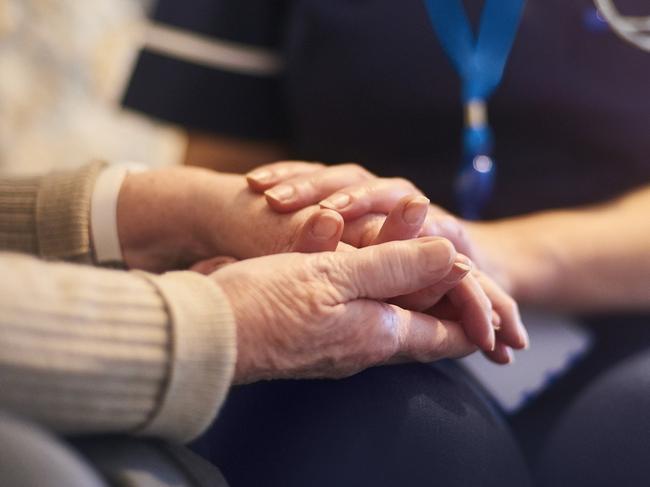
<point>367,81</point>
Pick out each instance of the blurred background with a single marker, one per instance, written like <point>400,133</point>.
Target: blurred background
<point>63,66</point>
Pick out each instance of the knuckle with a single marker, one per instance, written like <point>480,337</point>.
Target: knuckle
<point>311,175</point>
<point>289,168</point>
<point>355,169</point>
<point>282,168</point>
<point>370,341</point>
<point>395,331</point>
<point>314,164</point>
<point>387,336</point>
<point>402,182</point>
<point>364,190</point>
<point>324,262</point>
<point>309,184</point>
<point>330,276</point>
<point>510,306</point>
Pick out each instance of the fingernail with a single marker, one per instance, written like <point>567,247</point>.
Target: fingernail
<point>260,176</point>
<point>281,193</point>
<point>415,211</point>
<point>511,355</point>
<point>325,227</point>
<point>435,250</point>
<point>524,333</point>
<point>463,259</point>
<point>336,202</point>
<point>458,272</point>
<point>496,321</point>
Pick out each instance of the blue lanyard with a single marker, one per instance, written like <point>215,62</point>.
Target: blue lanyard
<point>480,63</point>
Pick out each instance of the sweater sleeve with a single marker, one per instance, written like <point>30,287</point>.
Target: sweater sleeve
<point>87,350</point>
<point>49,216</point>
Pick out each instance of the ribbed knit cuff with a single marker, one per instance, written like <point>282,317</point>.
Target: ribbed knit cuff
<point>63,213</point>
<point>204,350</point>
<point>18,214</point>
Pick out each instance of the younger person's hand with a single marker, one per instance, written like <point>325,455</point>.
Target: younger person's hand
<point>360,197</point>
<point>489,316</point>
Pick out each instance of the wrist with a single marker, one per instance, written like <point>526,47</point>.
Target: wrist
<point>166,217</point>
<point>524,264</point>
<point>103,213</point>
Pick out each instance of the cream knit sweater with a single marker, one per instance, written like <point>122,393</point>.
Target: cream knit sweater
<point>86,350</point>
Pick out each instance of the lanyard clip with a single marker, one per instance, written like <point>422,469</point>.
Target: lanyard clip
<point>476,178</point>
<point>476,114</point>
<point>477,137</point>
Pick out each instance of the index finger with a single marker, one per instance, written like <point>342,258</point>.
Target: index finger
<point>264,177</point>
<point>425,338</point>
<point>475,311</point>
<point>388,270</point>
<point>306,189</point>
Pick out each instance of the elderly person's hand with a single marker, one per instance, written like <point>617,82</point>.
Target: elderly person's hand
<point>457,297</point>
<point>363,199</point>
<point>175,217</point>
<point>325,315</point>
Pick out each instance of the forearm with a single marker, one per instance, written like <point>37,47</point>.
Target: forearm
<point>585,260</point>
<point>85,350</point>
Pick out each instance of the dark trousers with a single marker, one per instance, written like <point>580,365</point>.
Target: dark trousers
<point>592,428</point>
<point>407,425</point>
<point>417,425</point>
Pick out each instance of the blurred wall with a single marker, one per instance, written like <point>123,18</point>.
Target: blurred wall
<point>63,65</point>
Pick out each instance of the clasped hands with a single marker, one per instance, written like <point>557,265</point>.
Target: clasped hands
<point>362,275</point>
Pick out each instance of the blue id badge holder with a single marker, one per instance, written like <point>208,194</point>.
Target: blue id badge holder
<point>556,342</point>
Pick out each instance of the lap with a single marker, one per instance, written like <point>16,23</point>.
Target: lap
<point>603,438</point>
<point>399,425</point>
<point>617,339</point>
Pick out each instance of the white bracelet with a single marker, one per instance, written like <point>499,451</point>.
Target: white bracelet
<point>103,212</point>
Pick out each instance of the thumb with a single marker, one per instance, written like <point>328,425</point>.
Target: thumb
<point>392,269</point>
